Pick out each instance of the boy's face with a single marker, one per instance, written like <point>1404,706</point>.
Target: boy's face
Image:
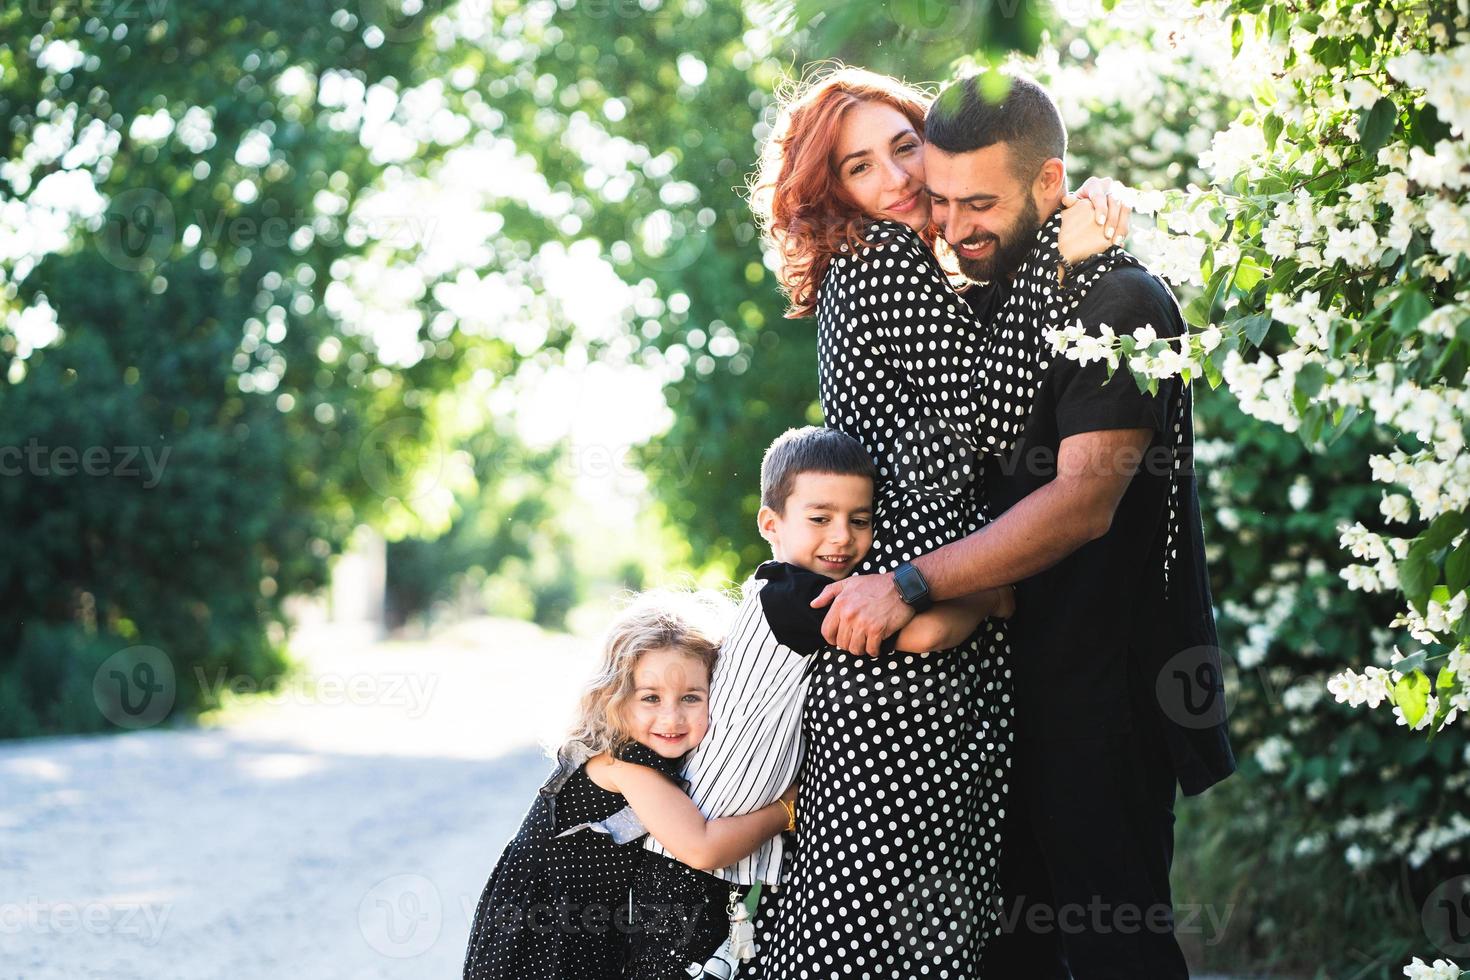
<point>827,526</point>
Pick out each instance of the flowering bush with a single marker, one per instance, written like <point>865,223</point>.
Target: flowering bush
<point>1315,239</point>
<point>1333,243</point>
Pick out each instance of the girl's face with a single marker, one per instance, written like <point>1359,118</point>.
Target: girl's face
<point>670,708</point>
<point>880,164</point>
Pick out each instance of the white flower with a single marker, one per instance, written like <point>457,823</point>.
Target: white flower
<point>1441,970</point>
<point>1232,151</point>
<point>1300,493</point>
<point>1271,753</point>
<point>1445,79</point>
<point>1450,227</point>
<point>1395,507</point>
<point>1362,94</point>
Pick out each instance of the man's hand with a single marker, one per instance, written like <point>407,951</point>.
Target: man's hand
<point>865,610</point>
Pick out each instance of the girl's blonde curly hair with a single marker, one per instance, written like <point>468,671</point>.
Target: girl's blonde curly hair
<point>693,622</point>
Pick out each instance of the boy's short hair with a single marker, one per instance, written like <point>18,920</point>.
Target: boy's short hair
<point>810,449</point>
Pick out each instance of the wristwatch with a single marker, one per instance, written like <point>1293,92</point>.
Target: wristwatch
<point>912,587</point>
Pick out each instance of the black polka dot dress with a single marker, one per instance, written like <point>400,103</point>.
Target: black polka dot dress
<point>902,794</point>
<point>558,907</point>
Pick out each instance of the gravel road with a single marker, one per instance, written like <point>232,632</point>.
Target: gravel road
<point>341,830</point>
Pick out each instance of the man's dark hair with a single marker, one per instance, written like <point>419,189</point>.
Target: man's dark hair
<point>962,120</point>
<point>811,449</point>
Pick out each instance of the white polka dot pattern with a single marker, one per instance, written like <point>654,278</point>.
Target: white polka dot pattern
<point>908,757</point>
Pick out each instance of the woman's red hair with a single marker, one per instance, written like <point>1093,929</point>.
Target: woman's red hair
<point>797,195</point>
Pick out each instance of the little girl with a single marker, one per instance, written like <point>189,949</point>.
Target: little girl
<point>557,904</point>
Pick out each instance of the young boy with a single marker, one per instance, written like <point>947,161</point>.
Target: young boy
<point>817,513</point>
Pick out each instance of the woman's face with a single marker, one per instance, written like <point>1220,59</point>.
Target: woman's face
<point>880,164</point>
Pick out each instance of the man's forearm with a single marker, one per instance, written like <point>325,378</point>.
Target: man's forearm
<point>1036,533</point>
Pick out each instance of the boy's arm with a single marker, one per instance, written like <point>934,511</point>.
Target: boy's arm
<point>951,622</point>
<point>674,820</point>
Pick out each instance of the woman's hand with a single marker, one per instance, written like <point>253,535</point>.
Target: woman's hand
<point>1093,219</point>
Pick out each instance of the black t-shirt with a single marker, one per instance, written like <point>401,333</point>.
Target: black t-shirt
<point>1077,621</point>
<point>786,599</point>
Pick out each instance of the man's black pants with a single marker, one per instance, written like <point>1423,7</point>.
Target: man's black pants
<point>1088,841</point>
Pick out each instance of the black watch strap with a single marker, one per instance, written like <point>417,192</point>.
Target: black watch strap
<point>912,587</point>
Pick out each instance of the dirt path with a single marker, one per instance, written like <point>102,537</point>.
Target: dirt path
<point>336,833</point>
<point>343,832</point>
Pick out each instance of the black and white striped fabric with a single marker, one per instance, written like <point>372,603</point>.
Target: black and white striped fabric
<point>753,749</point>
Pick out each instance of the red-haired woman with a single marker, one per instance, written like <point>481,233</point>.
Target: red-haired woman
<point>908,757</point>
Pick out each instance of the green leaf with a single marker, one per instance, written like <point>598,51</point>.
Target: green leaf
<point>1273,126</point>
<point>1254,327</point>
<point>1200,309</point>
<point>1313,419</point>
<point>1411,310</point>
<point>1376,125</point>
<point>1411,694</point>
<point>1443,530</point>
<point>1414,661</point>
<point>1237,36</point>
<point>1457,569</point>
<point>1342,419</point>
<point>1417,575</point>
<point>1212,373</point>
<point>1310,378</point>
<point>1248,273</point>
<point>1448,681</point>
<point>1310,22</point>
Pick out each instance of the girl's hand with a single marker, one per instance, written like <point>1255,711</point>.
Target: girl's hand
<point>1005,602</point>
<point>1093,220</point>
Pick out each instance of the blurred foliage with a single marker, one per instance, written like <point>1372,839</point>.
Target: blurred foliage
<point>508,524</point>
<point>193,327</point>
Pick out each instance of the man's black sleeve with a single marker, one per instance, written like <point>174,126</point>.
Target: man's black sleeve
<point>1087,400</point>
<point>786,599</point>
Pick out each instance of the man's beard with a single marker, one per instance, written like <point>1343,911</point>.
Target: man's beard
<point>1010,249</point>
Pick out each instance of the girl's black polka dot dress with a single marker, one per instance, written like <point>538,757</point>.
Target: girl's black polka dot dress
<point>554,907</point>
<point>908,757</point>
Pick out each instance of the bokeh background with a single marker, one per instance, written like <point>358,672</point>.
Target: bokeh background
<point>356,354</point>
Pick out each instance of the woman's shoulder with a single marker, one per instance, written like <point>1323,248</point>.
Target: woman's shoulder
<point>892,249</point>
<point>879,238</point>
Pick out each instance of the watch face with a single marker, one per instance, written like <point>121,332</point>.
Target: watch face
<point>910,582</point>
